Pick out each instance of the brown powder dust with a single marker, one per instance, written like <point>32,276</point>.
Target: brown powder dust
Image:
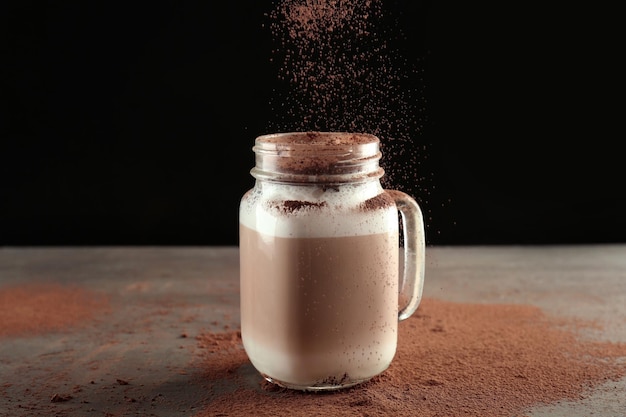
<point>40,308</point>
<point>346,65</point>
<point>453,359</point>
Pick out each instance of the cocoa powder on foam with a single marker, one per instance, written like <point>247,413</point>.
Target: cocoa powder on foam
<point>452,359</point>
<point>290,206</point>
<point>380,201</point>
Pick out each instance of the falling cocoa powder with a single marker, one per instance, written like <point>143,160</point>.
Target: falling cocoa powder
<point>332,61</point>
<point>452,359</point>
<point>340,70</point>
<point>38,308</point>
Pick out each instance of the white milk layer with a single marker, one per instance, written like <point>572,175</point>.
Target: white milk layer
<point>308,370</point>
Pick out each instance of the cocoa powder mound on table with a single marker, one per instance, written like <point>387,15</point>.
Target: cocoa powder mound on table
<point>452,359</point>
<point>38,308</point>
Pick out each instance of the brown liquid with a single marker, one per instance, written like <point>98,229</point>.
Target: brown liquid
<point>319,311</point>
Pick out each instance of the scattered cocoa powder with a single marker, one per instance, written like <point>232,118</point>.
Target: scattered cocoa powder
<point>453,359</point>
<point>59,398</point>
<point>39,308</point>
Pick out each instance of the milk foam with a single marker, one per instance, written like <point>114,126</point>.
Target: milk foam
<point>336,214</point>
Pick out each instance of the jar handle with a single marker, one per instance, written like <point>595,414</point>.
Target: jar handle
<point>413,255</point>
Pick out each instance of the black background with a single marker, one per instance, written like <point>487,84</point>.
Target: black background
<point>132,123</point>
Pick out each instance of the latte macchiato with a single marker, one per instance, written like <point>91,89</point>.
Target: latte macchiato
<point>319,261</point>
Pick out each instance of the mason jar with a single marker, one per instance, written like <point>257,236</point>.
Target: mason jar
<point>321,240</point>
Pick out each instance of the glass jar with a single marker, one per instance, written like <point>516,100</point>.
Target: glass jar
<point>320,254</point>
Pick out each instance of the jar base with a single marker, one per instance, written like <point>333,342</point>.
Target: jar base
<point>331,385</point>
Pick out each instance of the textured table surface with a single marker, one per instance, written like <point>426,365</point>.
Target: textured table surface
<point>137,358</point>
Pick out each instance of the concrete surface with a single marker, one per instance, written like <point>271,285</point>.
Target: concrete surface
<point>587,282</point>
<point>135,360</point>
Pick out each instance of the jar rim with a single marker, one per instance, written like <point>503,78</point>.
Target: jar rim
<point>315,139</point>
